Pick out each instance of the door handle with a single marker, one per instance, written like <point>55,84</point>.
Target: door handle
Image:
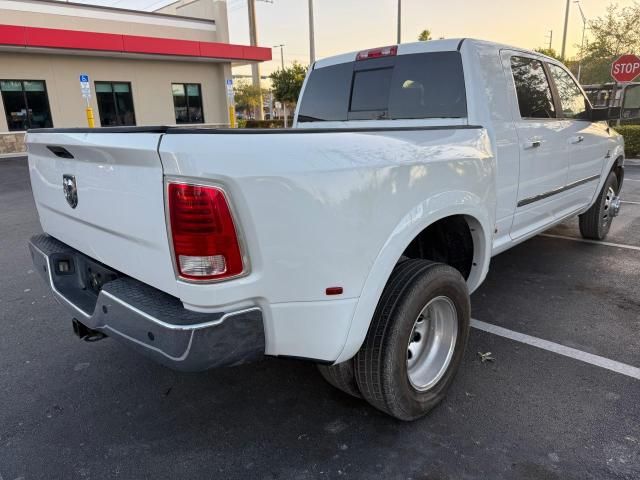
<point>578,139</point>
<point>533,143</point>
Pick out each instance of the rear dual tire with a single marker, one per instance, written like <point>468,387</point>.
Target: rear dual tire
<point>342,377</point>
<point>415,342</point>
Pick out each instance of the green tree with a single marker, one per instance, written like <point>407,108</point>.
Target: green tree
<point>549,52</point>
<point>247,97</point>
<point>614,34</point>
<point>425,35</point>
<point>287,83</point>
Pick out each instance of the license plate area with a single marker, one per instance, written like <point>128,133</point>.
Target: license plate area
<point>79,279</point>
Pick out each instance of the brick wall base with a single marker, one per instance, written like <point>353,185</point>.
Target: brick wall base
<point>11,143</point>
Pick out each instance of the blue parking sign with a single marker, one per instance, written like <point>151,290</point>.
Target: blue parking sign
<point>84,78</point>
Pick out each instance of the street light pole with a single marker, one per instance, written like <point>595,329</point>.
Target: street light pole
<point>284,106</point>
<point>281,47</point>
<point>255,67</point>
<point>312,39</point>
<point>399,21</point>
<point>584,29</point>
<point>566,25</point>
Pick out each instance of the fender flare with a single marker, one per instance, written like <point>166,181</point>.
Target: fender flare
<point>616,160</point>
<point>420,217</point>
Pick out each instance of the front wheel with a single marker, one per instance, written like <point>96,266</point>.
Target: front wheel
<point>596,222</point>
<point>416,339</point>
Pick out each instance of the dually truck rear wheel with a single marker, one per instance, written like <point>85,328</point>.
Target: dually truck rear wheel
<point>341,376</point>
<point>416,340</point>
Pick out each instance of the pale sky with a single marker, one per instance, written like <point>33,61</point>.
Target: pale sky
<point>346,25</point>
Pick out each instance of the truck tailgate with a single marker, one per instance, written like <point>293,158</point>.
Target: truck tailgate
<point>119,218</point>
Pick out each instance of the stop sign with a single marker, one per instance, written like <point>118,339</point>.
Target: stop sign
<point>626,68</point>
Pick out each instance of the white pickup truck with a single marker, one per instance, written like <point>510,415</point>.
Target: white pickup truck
<point>352,240</point>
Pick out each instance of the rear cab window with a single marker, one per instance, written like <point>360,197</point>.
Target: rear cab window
<point>413,86</point>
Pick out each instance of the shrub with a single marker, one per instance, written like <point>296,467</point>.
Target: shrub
<point>275,123</point>
<point>631,134</point>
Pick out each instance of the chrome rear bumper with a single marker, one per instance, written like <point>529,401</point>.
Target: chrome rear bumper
<point>148,320</point>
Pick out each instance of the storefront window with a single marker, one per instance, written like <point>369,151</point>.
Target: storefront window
<point>26,104</point>
<point>187,102</point>
<point>115,104</point>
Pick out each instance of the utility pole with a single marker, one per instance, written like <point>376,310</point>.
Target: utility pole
<point>584,29</point>
<point>312,36</point>
<point>399,21</point>
<point>253,40</point>
<point>550,35</point>
<point>566,25</point>
<point>284,106</point>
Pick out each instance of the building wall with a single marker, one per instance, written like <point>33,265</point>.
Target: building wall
<point>150,84</point>
<point>32,13</point>
<point>205,9</point>
<point>11,143</point>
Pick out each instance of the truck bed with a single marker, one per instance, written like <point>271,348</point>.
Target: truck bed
<point>314,208</point>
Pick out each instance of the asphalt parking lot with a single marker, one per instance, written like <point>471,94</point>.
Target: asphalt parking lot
<point>70,409</point>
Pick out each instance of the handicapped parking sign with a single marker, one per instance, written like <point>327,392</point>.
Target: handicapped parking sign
<point>85,87</point>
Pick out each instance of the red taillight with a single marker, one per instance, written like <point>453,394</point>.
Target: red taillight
<point>378,52</point>
<point>205,241</point>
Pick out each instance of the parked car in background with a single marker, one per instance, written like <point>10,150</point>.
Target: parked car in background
<point>624,98</point>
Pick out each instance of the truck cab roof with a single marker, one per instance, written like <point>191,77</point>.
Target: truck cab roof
<point>443,45</point>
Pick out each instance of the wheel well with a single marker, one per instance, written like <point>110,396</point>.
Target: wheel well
<point>449,240</point>
<point>618,169</point>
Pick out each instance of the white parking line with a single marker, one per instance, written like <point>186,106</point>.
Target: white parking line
<point>596,242</point>
<point>629,201</point>
<point>632,179</point>
<point>589,358</point>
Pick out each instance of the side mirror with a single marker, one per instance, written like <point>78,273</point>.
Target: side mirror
<point>604,113</point>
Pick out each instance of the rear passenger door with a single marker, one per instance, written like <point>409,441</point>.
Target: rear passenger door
<point>543,149</point>
<point>587,141</point>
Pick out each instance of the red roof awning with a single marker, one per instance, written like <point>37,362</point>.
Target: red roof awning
<point>34,37</point>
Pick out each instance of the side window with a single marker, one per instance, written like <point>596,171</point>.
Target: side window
<point>187,102</point>
<point>115,104</point>
<point>573,102</point>
<point>532,87</point>
<point>631,106</point>
<point>26,104</point>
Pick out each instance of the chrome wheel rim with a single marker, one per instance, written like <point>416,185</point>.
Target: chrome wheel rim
<point>432,343</point>
<point>607,213</point>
